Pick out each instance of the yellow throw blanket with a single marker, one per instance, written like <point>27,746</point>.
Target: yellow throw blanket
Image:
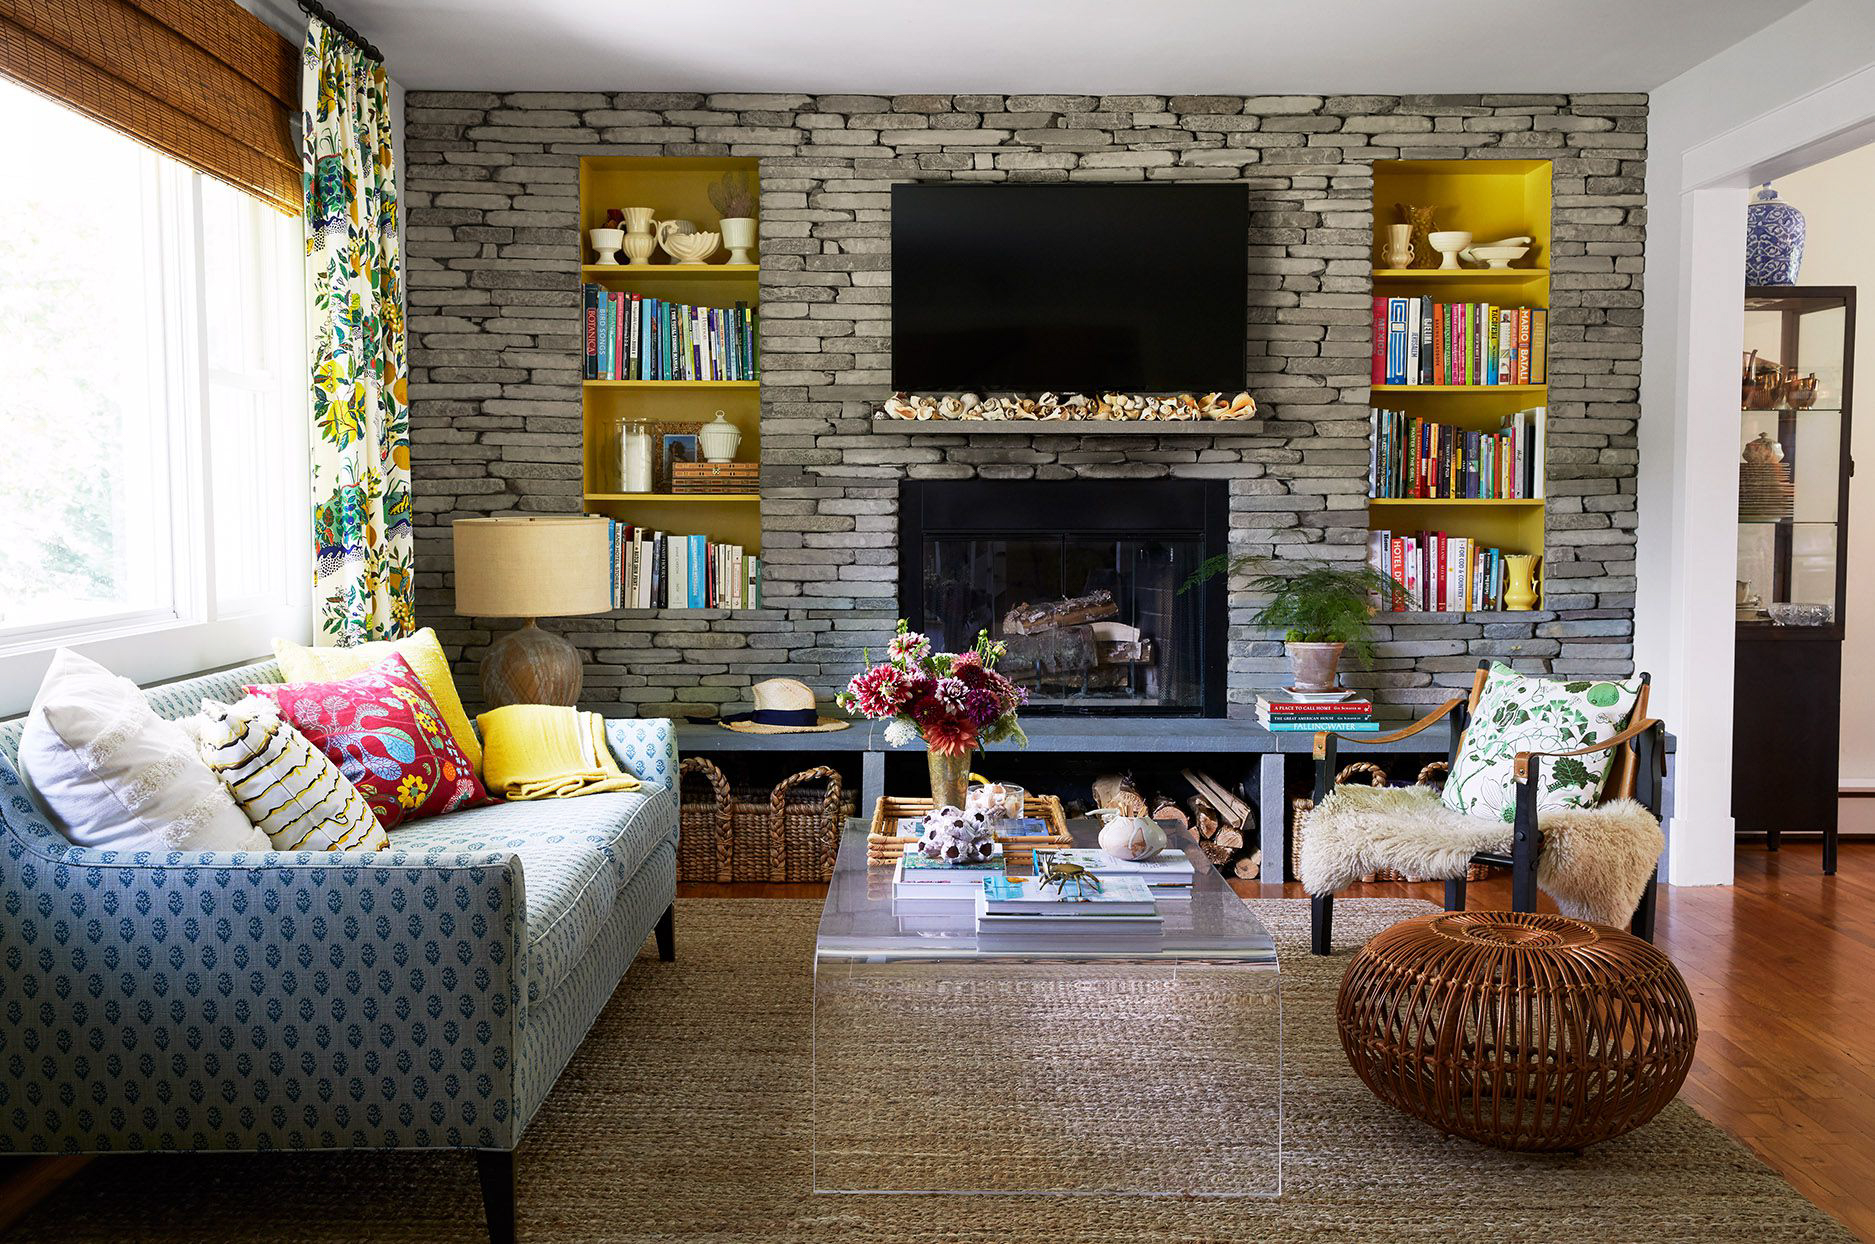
<point>543,751</point>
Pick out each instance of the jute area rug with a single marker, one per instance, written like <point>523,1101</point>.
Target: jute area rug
<point>686,1116</point>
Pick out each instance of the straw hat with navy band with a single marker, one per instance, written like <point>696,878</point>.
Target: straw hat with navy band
<point>783,706</point>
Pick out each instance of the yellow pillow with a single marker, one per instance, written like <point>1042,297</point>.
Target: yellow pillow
<point>423,650</point>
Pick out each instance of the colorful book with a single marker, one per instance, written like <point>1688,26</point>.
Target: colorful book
<point>1113,896</point>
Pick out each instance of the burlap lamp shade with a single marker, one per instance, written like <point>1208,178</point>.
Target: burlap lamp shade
<point>541,567</point>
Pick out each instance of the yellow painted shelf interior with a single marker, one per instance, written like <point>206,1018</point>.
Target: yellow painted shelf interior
<point>674,188</point>
<point>1490,199</point>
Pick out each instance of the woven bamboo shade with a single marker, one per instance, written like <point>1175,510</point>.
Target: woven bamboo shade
<point>1515,1029</point>
<point>203,81</point>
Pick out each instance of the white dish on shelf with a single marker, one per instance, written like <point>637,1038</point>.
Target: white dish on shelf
<point>1319,697</point>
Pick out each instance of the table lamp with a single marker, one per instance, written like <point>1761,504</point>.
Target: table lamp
<point>531,568</point>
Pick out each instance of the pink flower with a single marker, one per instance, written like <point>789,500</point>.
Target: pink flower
<point>908,648</point>
<point>880,691</point>
<point>951,693</point>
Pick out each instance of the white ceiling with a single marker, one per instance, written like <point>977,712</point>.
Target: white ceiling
<point>1236,47</point>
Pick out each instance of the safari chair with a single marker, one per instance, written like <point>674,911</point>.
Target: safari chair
<point>1369,833</point>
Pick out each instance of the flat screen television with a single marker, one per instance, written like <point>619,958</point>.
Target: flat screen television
<point>1075,289</point>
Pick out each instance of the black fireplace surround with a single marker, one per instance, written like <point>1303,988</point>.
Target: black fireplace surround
<point>1086,581</point>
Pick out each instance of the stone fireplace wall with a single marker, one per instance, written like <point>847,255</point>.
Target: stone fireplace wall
<point>492,195</point>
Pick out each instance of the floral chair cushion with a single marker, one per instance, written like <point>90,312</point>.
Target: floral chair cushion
<point>1515,714</point>
<point>384,732</point>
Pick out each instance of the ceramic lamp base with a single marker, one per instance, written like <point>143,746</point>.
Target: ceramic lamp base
<point>530,666</point>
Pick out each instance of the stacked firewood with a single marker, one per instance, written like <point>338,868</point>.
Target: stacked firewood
<point>1223,823</point>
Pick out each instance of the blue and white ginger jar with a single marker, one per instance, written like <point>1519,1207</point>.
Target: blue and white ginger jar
<point>1773,240</point>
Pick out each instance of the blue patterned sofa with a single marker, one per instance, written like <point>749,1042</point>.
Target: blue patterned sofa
<point>425,996</point>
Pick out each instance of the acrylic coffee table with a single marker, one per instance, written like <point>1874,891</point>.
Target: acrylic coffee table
<point>937,1068</point>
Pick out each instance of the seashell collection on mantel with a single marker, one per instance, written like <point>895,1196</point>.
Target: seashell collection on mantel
<point>1110,407</point>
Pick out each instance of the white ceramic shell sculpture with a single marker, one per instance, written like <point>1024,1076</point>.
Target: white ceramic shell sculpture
<point>691,247</point>
<point>955,836</point>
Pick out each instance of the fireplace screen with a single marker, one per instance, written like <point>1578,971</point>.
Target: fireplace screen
<point>1089,621</point>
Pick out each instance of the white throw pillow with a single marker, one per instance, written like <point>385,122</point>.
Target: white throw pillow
<point>287,787</point>
<point>112,774</point>
<point>1526,714</point>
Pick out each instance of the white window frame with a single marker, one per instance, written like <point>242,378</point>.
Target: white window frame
<point>196,630</point>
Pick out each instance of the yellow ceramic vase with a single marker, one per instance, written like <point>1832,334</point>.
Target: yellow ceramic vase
<point>1520,585</point>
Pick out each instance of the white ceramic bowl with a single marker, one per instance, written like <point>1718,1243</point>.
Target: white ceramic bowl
<point>1496,256</point>
<point>691,247</point>
<point>1448,242</point>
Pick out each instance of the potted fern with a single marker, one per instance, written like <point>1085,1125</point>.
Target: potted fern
<point>734,200</point>
<point>1320,609</point>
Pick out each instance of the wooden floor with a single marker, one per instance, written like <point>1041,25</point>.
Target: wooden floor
<point>1781,964</point>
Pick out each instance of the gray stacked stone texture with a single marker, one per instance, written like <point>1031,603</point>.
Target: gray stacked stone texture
<point>493,249</point>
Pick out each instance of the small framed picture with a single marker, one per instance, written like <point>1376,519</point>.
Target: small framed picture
<point>678,447</point>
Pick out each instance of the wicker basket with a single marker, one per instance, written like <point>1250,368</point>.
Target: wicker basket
<point>1433,772</point>
<point>884,845</point>
<point>788,833</point>
<point>703,840</point>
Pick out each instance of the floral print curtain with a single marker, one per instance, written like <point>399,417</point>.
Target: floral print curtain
<point>354,277</point>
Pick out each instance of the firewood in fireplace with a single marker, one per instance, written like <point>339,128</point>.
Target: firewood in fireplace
<point>1116,643</point>
<point>1028,619</point>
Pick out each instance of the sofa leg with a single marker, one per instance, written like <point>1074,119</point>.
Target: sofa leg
<point>667,934</point>
<point>1643,925</point>
<point>1455,894</point>
<point>496,1168</point>
<point>1321,923</point>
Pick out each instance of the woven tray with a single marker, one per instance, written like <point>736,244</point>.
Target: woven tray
<point>884,845</point>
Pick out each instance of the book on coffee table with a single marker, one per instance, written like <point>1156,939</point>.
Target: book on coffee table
<point>1115,896</point>
<point>919,878</point>
<point>1171,869</point>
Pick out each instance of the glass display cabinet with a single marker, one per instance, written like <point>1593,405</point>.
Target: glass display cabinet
<point>1796,382</point>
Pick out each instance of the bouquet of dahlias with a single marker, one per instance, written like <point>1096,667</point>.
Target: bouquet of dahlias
<point>955,701</point>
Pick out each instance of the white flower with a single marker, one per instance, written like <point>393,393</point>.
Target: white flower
<point>899,732</point>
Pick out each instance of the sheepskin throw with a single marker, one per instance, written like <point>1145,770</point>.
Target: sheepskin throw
<point>1595,861</point>
<point>1517,713</point>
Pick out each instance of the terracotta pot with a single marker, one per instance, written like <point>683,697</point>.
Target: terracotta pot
<point>1314,667</point>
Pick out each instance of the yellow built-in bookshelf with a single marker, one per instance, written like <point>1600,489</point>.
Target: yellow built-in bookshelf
<point>1490,199</point>
<point>676,188</point>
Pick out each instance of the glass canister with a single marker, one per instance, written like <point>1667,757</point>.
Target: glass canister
<point>634,458</point>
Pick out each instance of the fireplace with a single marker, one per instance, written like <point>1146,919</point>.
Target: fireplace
<point>1084,580</point>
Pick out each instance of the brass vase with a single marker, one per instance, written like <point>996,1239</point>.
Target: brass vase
<point>950,777</point>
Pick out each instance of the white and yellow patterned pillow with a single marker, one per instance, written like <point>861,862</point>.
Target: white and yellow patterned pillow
<point>1523,714</point>
<point>287,787</point>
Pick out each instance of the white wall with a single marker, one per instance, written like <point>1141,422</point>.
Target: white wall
<point>1800,91</point>
<point>1836,198</point>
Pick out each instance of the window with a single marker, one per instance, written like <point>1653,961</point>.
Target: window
<point>152,399</point>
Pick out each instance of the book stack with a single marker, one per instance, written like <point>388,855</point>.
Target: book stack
<point>1419,341</point>
<point>1441,573</point>
<point>918,879</point>
<point>658,570</point>
<point>1409,457</point>
<point>631,337</point>
<point>1280,715</point>
<point>1018,916</point>
<point>1169,874</point>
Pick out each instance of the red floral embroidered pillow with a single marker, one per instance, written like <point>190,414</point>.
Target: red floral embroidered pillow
<point>385,733</point>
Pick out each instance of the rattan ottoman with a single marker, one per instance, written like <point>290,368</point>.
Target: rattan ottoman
<point>1522,1031</point>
